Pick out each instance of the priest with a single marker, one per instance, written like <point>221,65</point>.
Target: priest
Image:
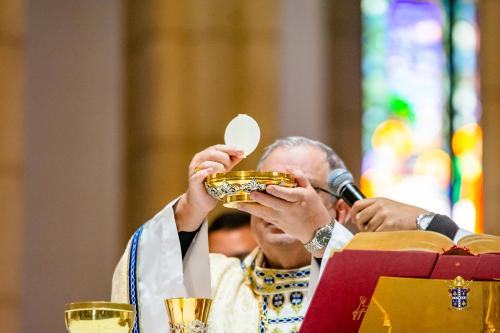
<point>269,291</point>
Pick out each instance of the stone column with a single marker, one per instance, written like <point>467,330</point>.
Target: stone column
<point>489,14</point>
<point>321,74</point>
<point>305,94</point>
<point>192,66</point>
<point>73,156</point>
<point>345,96</point>
<point>11,160</point>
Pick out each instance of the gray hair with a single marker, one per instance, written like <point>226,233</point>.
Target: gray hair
<point>334,161</point>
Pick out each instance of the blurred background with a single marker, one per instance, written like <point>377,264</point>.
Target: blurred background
<point>103,104</point>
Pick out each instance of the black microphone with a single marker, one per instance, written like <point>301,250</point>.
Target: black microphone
<point>341,183</point>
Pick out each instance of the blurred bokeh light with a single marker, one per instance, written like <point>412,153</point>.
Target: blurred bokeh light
<point>422,142</point>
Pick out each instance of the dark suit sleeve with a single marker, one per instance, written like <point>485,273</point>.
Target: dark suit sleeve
<point>186,238</point>
<point>443,225</point>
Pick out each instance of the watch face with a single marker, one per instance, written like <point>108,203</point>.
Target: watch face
<point>323,236</point>
<point>424,220</point>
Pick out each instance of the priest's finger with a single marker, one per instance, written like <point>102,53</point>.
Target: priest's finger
<point>211,154</point>
<point>290,194</point>
<point>269,201</point>
<point>199,177</point>
<point>234,161</point>
<point>265,213</point>
<point>216,167</point>
<point>300,177</point>
<point>230,150</point>
<point>236,155</point>
<point>226,155</point>
<point>218,156</point>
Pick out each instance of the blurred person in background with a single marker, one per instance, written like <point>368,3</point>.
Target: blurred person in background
<point>230,235</point>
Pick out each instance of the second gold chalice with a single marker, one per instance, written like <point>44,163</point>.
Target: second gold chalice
<point>188,315</point>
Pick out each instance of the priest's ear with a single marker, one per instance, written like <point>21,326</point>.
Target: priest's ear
<point>342,210</point>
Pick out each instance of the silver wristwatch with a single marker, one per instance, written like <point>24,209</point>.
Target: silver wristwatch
<point>423,220</point>
<point>321,238</point>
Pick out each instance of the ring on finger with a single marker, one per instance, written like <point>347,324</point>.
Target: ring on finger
<point>197,169</point>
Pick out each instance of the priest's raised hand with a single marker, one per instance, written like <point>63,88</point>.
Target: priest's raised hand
<point>195,204</point>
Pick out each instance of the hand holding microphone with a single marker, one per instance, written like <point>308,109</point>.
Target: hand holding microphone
<point>377,214</point>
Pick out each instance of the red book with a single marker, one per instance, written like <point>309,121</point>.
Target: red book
<point>484,266</point>
<point>348,282</point>
<point>449,266</point>
<point>488,267</point>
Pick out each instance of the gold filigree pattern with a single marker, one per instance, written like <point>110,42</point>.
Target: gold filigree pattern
<point>282,294</point>
<point>195,326</point>
<point>236,186</point>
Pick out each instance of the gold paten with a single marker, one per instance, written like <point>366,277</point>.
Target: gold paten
<point>235,186</point>
<point>423,305</point>
<point>188,315</point>
<point>99,317</point>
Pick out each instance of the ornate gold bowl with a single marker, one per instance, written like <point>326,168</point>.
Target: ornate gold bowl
<point>235,186</point>
<point>99,317</point>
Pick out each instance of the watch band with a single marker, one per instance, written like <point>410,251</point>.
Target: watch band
<point>424,219</point>
<point>444,225</point>
<point>321,238</point>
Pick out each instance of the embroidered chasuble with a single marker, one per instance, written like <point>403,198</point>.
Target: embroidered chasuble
<point>247,296</point>
<point>281,294</point>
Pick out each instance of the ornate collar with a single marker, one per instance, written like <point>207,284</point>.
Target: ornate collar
<point>266,281</point>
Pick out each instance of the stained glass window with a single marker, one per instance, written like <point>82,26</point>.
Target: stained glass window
<point>421,135</point>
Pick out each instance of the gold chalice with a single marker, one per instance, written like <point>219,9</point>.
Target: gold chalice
<point>235,186</point>
<point>188,315</point>
<point>99,317</point>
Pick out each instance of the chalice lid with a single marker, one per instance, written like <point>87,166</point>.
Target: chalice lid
<point>243,132</point>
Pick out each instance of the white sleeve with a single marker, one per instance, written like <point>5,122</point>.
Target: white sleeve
<point>162,273</point>
<point>461,233</point>
<point>340,237</point>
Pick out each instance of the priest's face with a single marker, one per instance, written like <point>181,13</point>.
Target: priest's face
<point>312,161</point>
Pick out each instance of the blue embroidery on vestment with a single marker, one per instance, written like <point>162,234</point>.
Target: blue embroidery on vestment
<point>286,320</point>
<point>132,277</point>
<point>263,318</point>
